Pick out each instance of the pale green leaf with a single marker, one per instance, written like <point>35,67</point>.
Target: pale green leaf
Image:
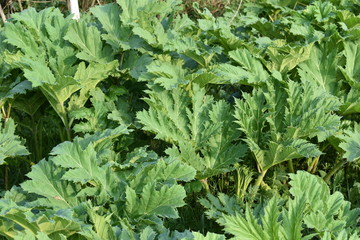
<point>352,69</point>
<point>45,180</point>
<point>292,219</point>
<point>351,145</point>
<point>243,227</point>
<point>271,219</point>
<point>37,72</point>
<point>160,202</point>
<point>83,162</point>
<point>167,74</point>
<point>256,71</point>
<point>285,58</point>
<point>208,236</point>
<point>118,36</point>
<point>148,234</point>
<point>10,144</point>
<point>321,69</point>
<point>88,40</point>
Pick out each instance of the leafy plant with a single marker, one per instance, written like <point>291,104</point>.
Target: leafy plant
<point>147,109</point>
<point>48,59</point>
<point>311,212</point>
<point>290,120</point>
<point>201,130</point>
<point>93,194</point>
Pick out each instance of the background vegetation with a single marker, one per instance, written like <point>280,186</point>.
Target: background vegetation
<point>167,120</point>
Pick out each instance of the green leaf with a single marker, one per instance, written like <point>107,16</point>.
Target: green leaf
<point>245,228</point>
<point>321,69</point>
<point>293,113</point>
<point>118,36</point>
<point>88,40</point>
<point>95,118</point>
<point>234,74</point>
<point>350,144</point>
<point>256,71</point>
<point>45,180</point>
<point>321,11</point>
<point>58,225</point>
<point>18,215</point>
<point>58,73</point>
<point>38,73</point>
<point>284,58</point>
<point>310,110</point>
<point>84,167</point>
<point>23,40</point>
<point>325,211</point>
<point>161,202</point>
<point>292,219</point>
<point>305,29</point>
<point>88,78</point>
<point>251,115</point>
<point>351,71</point>
<point>166,74</point>
<point>222,204</point>
<point>170,170</point>
<point>148,234</point>
<point>208,236</point>
<point>102,225</point>
<point>10,144</point>
<point>270,220</point>
<point>83,162</point>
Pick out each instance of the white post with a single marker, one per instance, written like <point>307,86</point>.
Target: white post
<point>74,9</point>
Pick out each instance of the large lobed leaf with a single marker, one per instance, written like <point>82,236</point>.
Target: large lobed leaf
<point>193,122</point>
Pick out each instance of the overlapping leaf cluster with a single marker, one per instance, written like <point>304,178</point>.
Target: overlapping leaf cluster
<point>311,212</point>
<point>234,104</point>
<point>88,193</point>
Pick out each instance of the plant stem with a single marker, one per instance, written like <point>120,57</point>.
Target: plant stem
<point>291,166</point>
<point>336,168</point>
<point>6,177</point>
<point>37,145</point>
<point>20,5</point>
<point>6,170</point>
<point>68,133</point>
<point>67,124</point>
<point>2,14</point>
<point>312,167</point>
<point>206,185</point>
<point>3,112</point>
<point>237,183</point>
<point>237,12</point>
<point>257,184</point>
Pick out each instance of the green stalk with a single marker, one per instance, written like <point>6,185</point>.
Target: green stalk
<point>37,147</point>
<point>258,182</point>
<point>206,185</point>
<point>68,132</point>
<point>291,166</point>
<point>6,177</point>
<point>59,108</point>
<point>6,170</point>
<point>312,167</point>
<point>67,124</point>
<point>335,169</point>
<point>238,183</point>
<point>61,133</point>
<point>64,119</point>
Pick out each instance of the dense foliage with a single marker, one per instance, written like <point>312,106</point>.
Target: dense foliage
<point>140,122</point>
